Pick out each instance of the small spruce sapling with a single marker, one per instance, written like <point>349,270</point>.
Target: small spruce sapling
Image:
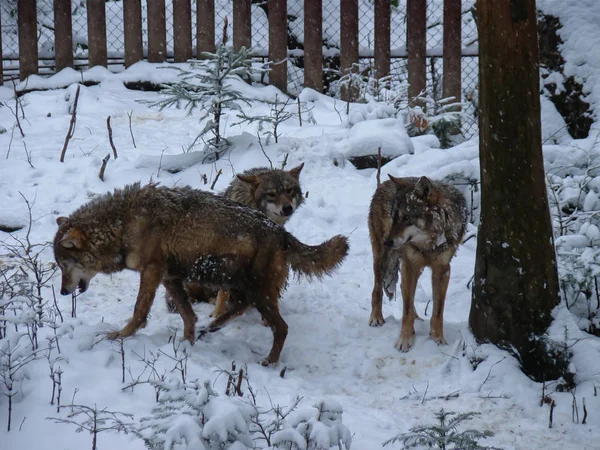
<point>208,86</point>
<point>444,434</point>
<point>95,421</point>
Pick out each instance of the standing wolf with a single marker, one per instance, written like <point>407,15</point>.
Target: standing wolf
<point>274,192</point>
<point>414,223</point>
<point>163,232</point>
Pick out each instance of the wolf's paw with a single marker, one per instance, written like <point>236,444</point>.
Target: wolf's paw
<point>404,343</point>
<point>438,339</point>
<point>113,335</point>
<point>376,319</point>
<point>266,362</point>
<point>188,336</point>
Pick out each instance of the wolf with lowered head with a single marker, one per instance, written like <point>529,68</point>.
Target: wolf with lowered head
<point>414,223</point>
<point>163,232</point>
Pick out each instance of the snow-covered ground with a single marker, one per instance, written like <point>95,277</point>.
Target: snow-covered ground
<point>330,353</point>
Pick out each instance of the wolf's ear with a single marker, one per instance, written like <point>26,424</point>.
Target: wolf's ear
<point>250,179</point>
<point>423,188</point>
<point>68,243</point>
<point>72,239</point>
<point>62,220</point>
<point>295,172</point>
<point>400,182</point>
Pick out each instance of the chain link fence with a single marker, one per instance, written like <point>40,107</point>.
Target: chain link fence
<point>223,8</point>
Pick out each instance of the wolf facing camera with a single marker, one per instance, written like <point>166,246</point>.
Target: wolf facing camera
<point>414,223</point>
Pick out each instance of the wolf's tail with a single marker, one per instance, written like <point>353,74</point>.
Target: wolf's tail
<point>316,260</point>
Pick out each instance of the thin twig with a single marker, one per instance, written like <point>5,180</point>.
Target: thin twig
<point>129,114</point>
<point>378,166</point>
<point>299,112</point>
<point>71,125</point>
<point>103,166</point>
<point>17,109</point>
<point>263,150</point>
<point>219,172</point>
<point>110,138</point>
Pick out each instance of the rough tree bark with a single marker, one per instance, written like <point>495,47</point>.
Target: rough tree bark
<point>516,282</point>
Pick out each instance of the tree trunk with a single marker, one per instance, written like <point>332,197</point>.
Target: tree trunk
<point>516,282</point>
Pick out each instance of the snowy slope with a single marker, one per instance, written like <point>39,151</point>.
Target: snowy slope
<point>330,353</point>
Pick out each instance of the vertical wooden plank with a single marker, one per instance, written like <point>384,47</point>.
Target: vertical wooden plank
<point>382,38</point>
<point>96,22</point>
<point>205,27</point>
<point>242,24</point>
<point>1,59</point>
<point>348,44</point>
<point>63,34</point>
<point>452,50</point>
<point>313,44</point>
<point>157,31</point>
<point>278,43</point>
<point>132,31</point>
<point>27,28</point>
<point>415,46</point>
<point>182,30</point>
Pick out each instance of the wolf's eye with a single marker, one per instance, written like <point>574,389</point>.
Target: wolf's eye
<point>270,194</point>
<point>289,191</point>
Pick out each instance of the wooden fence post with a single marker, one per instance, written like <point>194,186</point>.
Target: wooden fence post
<point>157,31</point>
<point>242,24</point>
<point>182,30</point>
<point>382,38</point>
<point>348,45</point>
<point>27,28</point>
<point>313,44</point>
<point>452,50</point>
<point>63,35</point>
<point>416,48</point>
<point>96,22</point>
<point>205,27</point>
<point>132,31</point>
<point>278,43</point>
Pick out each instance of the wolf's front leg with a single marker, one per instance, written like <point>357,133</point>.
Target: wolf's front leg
<point>410,272</point>
<point>149,280</point>
<point>440,276</point>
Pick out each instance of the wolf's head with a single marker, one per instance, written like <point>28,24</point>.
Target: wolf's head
<point>276,192</point>
<point>72,253</point>
<point>416,216</point>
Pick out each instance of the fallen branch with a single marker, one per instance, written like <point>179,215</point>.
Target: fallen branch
<point>71,125</point>
<point>110,139</point>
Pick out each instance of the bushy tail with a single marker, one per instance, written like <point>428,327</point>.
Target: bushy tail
<point>316,260</point>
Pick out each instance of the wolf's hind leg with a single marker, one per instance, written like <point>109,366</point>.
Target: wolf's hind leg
<point>271,315</point>
<point>177,294</point>
<point>380,256</point>
<point>221,304</point>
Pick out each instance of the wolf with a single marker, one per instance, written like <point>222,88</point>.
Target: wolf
<point>274,192</point>
<point>414,223</point>
<point>162,232</point>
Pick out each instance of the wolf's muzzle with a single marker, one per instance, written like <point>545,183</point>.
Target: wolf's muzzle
<point>287,210</point>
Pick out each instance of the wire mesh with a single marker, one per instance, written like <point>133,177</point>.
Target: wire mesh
<point>223,9</point>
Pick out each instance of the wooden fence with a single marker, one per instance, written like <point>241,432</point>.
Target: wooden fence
<point>184,42</point>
